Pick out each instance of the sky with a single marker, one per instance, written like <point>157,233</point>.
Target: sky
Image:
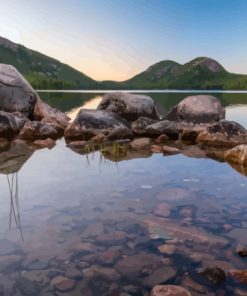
<point>116,39</point>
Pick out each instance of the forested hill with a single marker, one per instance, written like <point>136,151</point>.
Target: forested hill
<point>44,72</point>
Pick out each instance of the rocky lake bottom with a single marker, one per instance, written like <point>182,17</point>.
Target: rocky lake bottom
<point>74,224</point>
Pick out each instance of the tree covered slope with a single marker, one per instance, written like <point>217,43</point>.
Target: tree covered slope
<point>44,72</point>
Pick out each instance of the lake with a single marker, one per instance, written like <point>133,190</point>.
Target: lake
<point>74,224</point>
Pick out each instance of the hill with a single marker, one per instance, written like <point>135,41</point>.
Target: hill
<point>42,71</point>
<point>200,73</point>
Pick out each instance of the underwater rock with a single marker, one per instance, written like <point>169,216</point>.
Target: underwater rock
<point>167,249</point>
<point>239,275</point>
<point>197,109</point>
<point>129,106</point>
<point>224,133</point>
<point>163,210</point>
<point>169,290</point>
<point>241,250</point>
<point>73,273</point>
<point>131,266</point>
<point>26,287</point>
<point>159,276</point>
<point>63,284</point>
<point>10,262</point>
<point>111,239</point>
<point>213,275</point>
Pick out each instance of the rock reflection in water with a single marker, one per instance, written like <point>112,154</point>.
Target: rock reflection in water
<point>112,152</point>
<point>11,161</point>
<point>123,151</point>
<point>121,237</point>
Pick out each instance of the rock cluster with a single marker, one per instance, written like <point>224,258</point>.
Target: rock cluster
<point>197,120</point>
<point>23,114</point>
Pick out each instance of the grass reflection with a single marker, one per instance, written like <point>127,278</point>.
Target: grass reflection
<point>14,216</point>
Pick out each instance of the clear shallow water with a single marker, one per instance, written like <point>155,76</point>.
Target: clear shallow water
<point>100,223</point>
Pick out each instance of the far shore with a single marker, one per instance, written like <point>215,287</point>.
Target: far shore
<point>142,91</point>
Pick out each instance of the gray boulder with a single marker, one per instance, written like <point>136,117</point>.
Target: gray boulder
<point>224,133</point>
<point>129,106</point>
<point>11,124</point>
<point>89,123</point>
<point>197,109</point>
<point>165,127</point>
<point>16,94</point>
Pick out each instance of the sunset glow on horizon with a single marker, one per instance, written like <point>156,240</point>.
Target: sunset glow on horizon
<point>115,40</point>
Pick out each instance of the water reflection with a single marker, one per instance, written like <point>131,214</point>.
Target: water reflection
<point>164,101</point>
<point>14,202</point>
<point>99,233</point>
<point>11,162</point>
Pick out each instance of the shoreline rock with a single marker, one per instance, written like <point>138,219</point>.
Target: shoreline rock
<point>129,106</point>
<point>120,116</point>
<point>21,109</point>
<point>224,133</point>
<point>89,123</point>
<point>197,109</point>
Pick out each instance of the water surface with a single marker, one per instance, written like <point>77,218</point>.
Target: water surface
<point>101,223</point>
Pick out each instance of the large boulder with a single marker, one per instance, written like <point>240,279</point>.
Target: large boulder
<point>11,124</point>
<point>16,94</point>
<point>197,109</point>
<point>90,123</point>
<point>129,106</point>
<point>224,133</point>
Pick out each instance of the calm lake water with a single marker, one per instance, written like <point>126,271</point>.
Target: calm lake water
<point>88,225</point>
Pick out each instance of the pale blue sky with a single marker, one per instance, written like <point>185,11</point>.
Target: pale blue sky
<point>113,39</point>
